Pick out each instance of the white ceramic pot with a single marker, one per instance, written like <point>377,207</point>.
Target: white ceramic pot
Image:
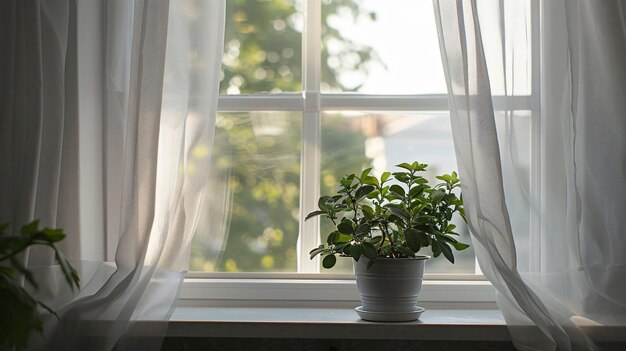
<point>389,288</point>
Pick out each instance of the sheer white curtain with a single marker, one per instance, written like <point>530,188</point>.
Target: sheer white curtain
<point>39,125</point>
<point>567,270</point>
<point>161,80</point>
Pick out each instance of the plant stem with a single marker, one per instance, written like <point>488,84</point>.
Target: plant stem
<point>353,200</point>
<point>386,233</point>
<point>382,242</point>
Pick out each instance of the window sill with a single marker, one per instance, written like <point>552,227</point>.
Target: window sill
<point>481,325</point>
<point>323,309</point>
<point>330,323</point>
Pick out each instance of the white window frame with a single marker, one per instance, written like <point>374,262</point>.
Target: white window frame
<point>308,287</point>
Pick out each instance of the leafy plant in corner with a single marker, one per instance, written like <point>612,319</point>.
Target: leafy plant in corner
<point>393,216</point>
<point>21,313</point>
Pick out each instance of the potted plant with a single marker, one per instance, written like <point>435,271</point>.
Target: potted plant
<point>21,312</point>
<point>383,223</point>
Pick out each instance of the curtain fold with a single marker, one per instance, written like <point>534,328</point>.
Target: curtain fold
<point>39,127</point>
<point>161,80</point>
<point>39,124</point>
<point>566,269</point>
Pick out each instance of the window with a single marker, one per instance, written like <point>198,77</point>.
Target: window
<point>312,90</point>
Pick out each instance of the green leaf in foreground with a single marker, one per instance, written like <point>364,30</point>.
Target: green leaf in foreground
<point>21,313</point>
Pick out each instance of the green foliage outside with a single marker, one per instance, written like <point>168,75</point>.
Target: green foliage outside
<point>21,313</point>
<point>262,53</point>
<point>263,40</point>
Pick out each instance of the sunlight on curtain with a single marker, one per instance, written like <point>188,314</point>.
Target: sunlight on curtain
<point>560,258</point>
<point>161,81</point>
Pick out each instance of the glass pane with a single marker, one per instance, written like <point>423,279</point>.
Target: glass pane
<point>352,141</point>
<point>381,47</point>
<point>507,41</point>
<point>262,47</point>
<point>250,218</point>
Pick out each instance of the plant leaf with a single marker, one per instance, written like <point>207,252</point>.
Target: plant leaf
<point>364,190</point>
<point>368,212</point>
<point>329,261</point>
<point>322,203</point>
<point>385,176</point>
<point>401,176</point>
<point>19,316</point>
<point>363,228</point>
<point>437,196</point>
<point>332,237</point>
<point>436,248</point>
<point>356,251</point>
<point>412,237</point>
<point>374,194</point>
<point>399,212</point>
<point>405,250</point>
<point>53,235</point>
<point>405,166</point>
<point>446,250</point>
<point>317,251</point>
<point>460,246</point>
<point>376,239</point>
<point>365,172</point>
<point>397,189</point>
<point>416,191</point>
<point>313,214</point>
<point>30,228</point>
<point>369,180</point>
<point>71,276</point>
<point>345,227</point>
<point>369,250</point>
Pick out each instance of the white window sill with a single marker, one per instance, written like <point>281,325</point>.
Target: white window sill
<point>323,308</point>
<point>328,323</point>
<point>333,323</point>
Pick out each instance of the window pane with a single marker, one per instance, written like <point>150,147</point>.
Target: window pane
<point>507,41</point>
<point>352,141</point>
<point>262,47</point>
<point>381,47</point>
<point>249,222</point>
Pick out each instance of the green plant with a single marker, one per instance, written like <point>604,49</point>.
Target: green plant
<point>21,313</point>
<point>392,216</point>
